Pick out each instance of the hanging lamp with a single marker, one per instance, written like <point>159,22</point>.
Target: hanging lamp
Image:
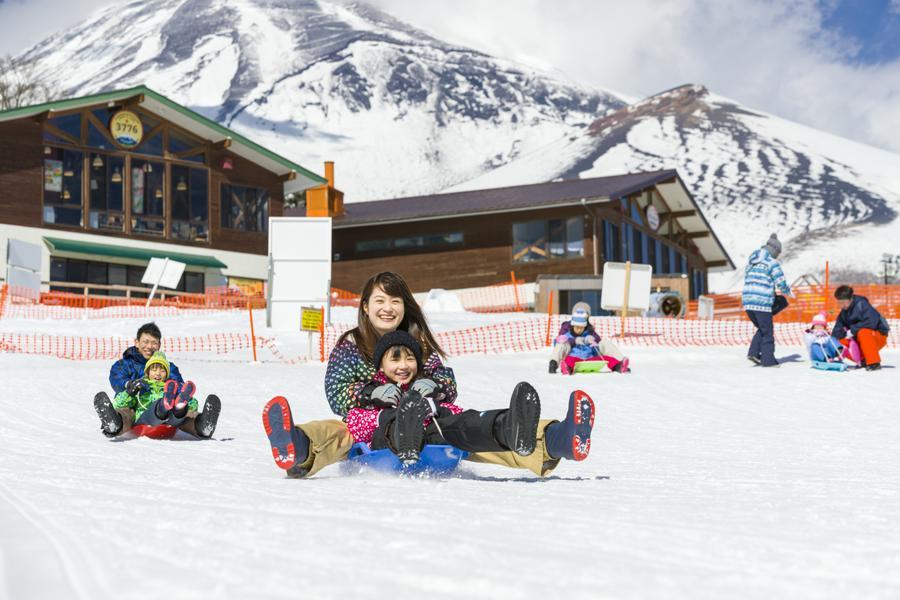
<point>97,162</point>
<point>182,186</point>
<point>116,176</point>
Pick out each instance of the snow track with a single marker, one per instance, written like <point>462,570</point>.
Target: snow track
<point>708,478</point>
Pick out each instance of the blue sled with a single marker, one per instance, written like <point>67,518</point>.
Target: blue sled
<point>433,460</point>
<point>829,366</point>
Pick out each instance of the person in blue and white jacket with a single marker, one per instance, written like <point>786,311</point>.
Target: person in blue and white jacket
<point>762,277</point>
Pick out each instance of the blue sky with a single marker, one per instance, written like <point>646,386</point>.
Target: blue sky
<point>830,64</point>
<point>874,25</point>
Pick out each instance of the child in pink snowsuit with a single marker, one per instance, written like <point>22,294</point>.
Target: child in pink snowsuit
<point>402,413</point>
<point>577,342</point>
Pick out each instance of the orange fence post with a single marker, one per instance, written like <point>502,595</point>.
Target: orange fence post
<point>252,331</point>
<point>826,290</point>
<point>322,336</point>
<point>549,316</point>
<point>512,276</point>
<point>3,294</point>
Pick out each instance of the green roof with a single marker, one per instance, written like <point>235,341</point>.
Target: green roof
<point>81,247</point>
<point>118,95</point>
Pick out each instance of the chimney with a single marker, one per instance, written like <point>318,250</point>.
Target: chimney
<point>329,172</point>
<point>325,200</point>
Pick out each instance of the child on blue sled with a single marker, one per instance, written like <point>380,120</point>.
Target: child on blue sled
<point>405,412</point>
<point>824,351</point>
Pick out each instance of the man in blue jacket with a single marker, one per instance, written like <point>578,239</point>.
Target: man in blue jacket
<point>761,278</point>
<point>860,321</point>
<point>128,370</point>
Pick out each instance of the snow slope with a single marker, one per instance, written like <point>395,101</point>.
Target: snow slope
<point>751,172</point>
<point>745,483</point>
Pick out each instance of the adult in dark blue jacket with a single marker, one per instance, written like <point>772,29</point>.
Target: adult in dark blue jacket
<point>131,366</point>
<point>860,322</point>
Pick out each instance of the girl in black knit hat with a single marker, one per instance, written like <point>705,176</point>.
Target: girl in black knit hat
<point>403,412</point>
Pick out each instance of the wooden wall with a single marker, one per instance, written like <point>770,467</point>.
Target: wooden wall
<point>21,190</point>
<point>21,172</point>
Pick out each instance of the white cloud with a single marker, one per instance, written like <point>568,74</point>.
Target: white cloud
<point>895,6</point>
<point>24,23</point>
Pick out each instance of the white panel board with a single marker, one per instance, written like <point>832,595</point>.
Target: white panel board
<point>300,268</point>
<point>614,286</point>
<point>23,255</point>
<point>24,279</point>
<point>167,272</point>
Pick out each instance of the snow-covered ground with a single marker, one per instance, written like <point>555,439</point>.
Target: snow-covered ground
<point>708,478</point>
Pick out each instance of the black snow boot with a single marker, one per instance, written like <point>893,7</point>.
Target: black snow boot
<point>554,366</point>
<point>499,430</point>
<point>205,423</point>
<point>110,420</point>
<point>571,438</point>
<point>409,428</point>
<point>516,428</point>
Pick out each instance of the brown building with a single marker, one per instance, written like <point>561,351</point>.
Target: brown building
<point>104,182</point>
<point>475,238</point>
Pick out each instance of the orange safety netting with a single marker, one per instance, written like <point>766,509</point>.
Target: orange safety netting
<point>25,304</point>
<point>512,336</point>
<point>809,301</point>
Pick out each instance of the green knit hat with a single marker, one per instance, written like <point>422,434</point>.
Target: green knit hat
<point>158,358</point>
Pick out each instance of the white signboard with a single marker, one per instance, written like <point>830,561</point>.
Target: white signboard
<point>614,281</point>
<point>23,266</point>
<point>23,255</point>
<point>299,269</point>
<point>164,272</point>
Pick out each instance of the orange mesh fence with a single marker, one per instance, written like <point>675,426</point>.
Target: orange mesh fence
<point>809,301</point>
<point>111,348</point>
<point>513,336</point>
<point>532,334</point>
<point>341,297</point>
<point>501,297</point>
<point>25,304</point>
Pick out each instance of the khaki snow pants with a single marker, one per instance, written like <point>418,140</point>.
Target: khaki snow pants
<point>538,462</point>
<point>330,443</point>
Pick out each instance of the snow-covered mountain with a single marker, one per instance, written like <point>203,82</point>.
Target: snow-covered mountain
<point>403,113</point>
<point>753,173</point>
<point>399,111</point>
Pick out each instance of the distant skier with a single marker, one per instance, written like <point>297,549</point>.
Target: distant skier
<point>762,276</point>
<point>860,328</point>
<point>577,341</point>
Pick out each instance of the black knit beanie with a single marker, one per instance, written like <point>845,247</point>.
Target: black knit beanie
<point>398,338</point>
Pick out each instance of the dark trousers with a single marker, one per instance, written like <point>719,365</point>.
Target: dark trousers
<point>762,346</point>
<point>470,430</point>
<point>149,418</point>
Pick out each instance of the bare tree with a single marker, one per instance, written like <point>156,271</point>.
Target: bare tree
<point>20,86</point>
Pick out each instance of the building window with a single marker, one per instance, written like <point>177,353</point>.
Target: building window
<point>611,242</point>
<point>70,270</point>
<point>553,239</point>
<point>245,208</point>
<point>190,204</point>
<point>698,284</point>
<point>148,198</point>
<point>416,242</point>
<point>107,192</point>
<point>62,187</point>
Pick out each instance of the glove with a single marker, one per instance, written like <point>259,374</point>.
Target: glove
<point>135,387</point>
<point>579,341</point>
<point>425,387</point>
<point>591,340</point>
<point>849,335</point>
<point>385,396</point>
<point>562,339</point>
